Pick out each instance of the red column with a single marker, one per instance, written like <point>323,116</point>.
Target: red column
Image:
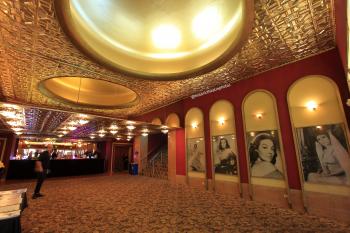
<point>180,152</point>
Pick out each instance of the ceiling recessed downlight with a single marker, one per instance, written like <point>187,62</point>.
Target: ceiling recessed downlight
<point>154,39</point>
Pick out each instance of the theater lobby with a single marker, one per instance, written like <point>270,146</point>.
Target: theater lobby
<point>174,116</point>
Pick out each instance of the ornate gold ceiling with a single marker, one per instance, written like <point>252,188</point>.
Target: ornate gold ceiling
<point>33,48</point>
<point>33,122</point>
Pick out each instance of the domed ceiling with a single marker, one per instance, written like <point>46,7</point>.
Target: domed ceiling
<point>35,47</point>
<point>157,39</point>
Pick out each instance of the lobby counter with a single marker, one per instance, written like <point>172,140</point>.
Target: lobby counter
<point>24,169</point>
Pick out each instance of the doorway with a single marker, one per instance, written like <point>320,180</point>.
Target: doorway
<point>122,154</point>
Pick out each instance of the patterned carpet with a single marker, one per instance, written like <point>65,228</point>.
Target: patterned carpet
<point>124,203</point>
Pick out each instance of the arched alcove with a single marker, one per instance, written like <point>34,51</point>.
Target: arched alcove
<point>224,147</point>
<point>156,121</point>
<point>264,147</point>
<point>195,144</point>
<point>320,135</point>
<point>172,120</point>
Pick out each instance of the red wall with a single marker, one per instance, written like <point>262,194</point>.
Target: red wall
<point>341,29</point>
<point>180,152</point>
<point>162,113</point>
<point>276,81</point>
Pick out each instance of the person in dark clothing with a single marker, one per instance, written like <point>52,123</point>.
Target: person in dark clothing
<point>54,154</point>
<point>44,158</point>
<point>96,154</point>
<point>89,155</point>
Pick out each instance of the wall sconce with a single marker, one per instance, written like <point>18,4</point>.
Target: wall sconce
<point>144,134</point>
<point>221,121</point>
<point>259,115</point>
<point>311,105</point>
<point>194,125</point>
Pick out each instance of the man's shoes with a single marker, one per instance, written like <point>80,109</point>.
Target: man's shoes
<point>36,195</point>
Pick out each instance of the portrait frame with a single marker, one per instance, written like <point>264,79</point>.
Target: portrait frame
<point>198,164</point>
<point>275,169</point>
<point>228,164</point>
<point>316,165</point>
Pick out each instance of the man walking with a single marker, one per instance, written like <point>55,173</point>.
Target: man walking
<point>44,159</point>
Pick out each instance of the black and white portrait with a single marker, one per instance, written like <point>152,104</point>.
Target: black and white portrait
<point>195,155</point>
<point>264,154</point>
<point>324,155</point>
<point>225,154</point>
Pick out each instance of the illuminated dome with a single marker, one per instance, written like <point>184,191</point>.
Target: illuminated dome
<point>155,39</point>
<point>88,92</point>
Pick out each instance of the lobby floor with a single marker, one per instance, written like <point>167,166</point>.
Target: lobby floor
<point>124,203</point>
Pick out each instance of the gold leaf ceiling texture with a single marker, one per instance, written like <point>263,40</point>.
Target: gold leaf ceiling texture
<point>33,48</point>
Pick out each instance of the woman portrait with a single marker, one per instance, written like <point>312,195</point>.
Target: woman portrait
<point>225,159</point>
<point>325,158</point>
<point>196,158</point>
<point>264,155</point>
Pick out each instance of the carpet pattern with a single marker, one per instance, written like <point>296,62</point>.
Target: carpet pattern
<point>124,203</point>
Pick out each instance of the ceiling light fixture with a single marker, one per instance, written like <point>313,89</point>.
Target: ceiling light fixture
<point>130,127</point>
<point>83,121</point>
<point>113,127</point>
<point>113,131</point>
<point>71,128</point>
<point>166,36</point>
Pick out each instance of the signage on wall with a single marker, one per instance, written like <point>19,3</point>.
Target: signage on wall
<point>210,91</point>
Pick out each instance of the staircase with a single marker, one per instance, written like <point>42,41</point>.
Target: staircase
<point>157,166</point>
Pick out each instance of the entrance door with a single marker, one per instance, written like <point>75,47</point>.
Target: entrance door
<point>121,155</point>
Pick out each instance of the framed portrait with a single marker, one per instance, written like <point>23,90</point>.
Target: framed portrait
<point>195,155</point>
<point>323,154</point>
<point>225,154</point>
<point>264,154</point>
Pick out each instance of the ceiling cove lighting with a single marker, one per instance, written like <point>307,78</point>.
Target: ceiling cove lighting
<point>207,23</point>
<point>159,40</point>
